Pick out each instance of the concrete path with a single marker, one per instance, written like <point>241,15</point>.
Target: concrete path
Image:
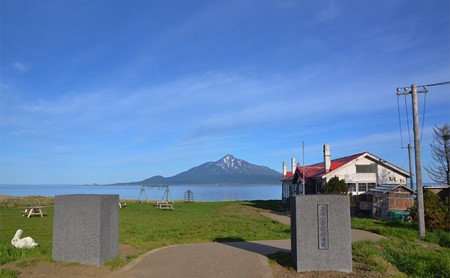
<point>229,259</point>
<point>239,259</point>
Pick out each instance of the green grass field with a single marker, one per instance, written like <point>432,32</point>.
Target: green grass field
<point>403,249</point>
<point>145,227</point>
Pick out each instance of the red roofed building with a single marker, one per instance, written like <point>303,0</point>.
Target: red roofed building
<point>361,172</point>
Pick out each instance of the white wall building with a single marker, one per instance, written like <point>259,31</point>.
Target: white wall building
<point>361,172</point>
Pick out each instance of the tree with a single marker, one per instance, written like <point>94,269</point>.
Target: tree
<point>437,214</point>
<point>439,171</point>
<point>335,186</point>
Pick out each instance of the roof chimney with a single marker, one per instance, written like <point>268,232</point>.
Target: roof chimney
<point>284,169</point>
<point>326,158</point>
<point>293,166</point>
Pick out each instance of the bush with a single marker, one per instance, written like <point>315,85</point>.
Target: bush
<point>437,213</point>
<point>335,186</point>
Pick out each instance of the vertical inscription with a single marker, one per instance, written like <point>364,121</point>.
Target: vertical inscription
<point>322,217</point>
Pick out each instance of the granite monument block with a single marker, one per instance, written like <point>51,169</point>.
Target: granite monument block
<point>321,233</point>
<point>86,228</point>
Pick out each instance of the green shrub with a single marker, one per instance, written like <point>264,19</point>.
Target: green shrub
<point>335,186</point>
<point>437,213</point>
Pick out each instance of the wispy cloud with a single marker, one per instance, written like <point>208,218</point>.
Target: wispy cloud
<point>328,12</point>
<point>20,67</point>
<point>211,104</point>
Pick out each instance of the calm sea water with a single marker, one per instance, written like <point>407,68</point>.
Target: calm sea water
<point>201,192</point>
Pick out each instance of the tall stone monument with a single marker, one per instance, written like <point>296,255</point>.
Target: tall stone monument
<point>86,228</point>
<point>321,233</point>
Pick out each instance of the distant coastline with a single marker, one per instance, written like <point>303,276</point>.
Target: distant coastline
<point>133,192</point>
<point>186,184</point>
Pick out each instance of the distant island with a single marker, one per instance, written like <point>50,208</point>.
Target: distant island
<point>226,171</point>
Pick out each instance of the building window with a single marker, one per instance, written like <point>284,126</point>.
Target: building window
<point>365,198</point>
<point>361,169</point>
<point>351,187</point>
<point>370,185</point>
<point>362,186</point>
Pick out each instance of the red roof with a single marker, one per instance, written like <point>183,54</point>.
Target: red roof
<point>317,169</point>
<point>288,175</point>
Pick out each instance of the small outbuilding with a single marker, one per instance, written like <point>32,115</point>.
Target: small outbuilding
<point>387,198</point>
<point>443,191</point>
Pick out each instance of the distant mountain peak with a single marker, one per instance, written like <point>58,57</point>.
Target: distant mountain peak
<point>228,157</point>
<point>227,170</point>
<point>229,162</point>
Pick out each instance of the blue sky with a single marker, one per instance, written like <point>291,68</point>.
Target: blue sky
<point>117,91</point>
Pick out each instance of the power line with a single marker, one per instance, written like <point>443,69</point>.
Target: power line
<point>406,88</point>
<point>423,114</point>
<point>400,122</point>
<point>417,138</point>
<point>436,84</point>
<point>407,120</point>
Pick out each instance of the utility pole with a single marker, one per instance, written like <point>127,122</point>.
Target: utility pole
<point>420,204</point>
<point>304,182</point>
<point>411,181</point>
<point>418,163</point>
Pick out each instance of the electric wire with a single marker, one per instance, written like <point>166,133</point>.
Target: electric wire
<point>400,122</point>
<point>424,109</point>
<point>436,84</point>
<point>423,114</point>
<point>427,85</point>
<point>407,120</point>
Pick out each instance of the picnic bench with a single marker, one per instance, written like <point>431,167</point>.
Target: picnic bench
<point>164,205</point>
<point>33,211</point>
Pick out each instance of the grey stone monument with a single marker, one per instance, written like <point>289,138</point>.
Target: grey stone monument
<point>321,233</point>
<point>86,228</point>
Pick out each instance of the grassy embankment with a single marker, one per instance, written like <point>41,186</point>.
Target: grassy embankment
<point>402,248</point>
<point>143,226</point>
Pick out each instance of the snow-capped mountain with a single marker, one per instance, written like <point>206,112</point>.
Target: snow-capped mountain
<point>227,170</point>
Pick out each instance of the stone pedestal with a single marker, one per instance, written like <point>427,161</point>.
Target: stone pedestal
<point>86,228</point>
<point>321,233</point>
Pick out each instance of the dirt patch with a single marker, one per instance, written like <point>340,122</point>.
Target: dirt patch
<point>279,271</point>
<point>30,268</point>
<point>15,202</point>
<point>282,268</point>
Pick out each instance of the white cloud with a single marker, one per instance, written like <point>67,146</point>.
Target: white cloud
<point>20,67</point>
<point>328,13</point>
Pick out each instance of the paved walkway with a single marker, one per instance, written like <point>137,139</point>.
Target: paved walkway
<point>230,259</point>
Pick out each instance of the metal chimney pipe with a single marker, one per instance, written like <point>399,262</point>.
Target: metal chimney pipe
<point>326,158</point>
<point>284,169</point>
<point>293,166</point>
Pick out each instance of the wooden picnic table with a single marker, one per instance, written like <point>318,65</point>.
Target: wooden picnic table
<point>164,205</point>
<point>33,211</point>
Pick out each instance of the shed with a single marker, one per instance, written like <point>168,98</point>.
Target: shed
<point>442,190</point>
<point>390,197</point>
